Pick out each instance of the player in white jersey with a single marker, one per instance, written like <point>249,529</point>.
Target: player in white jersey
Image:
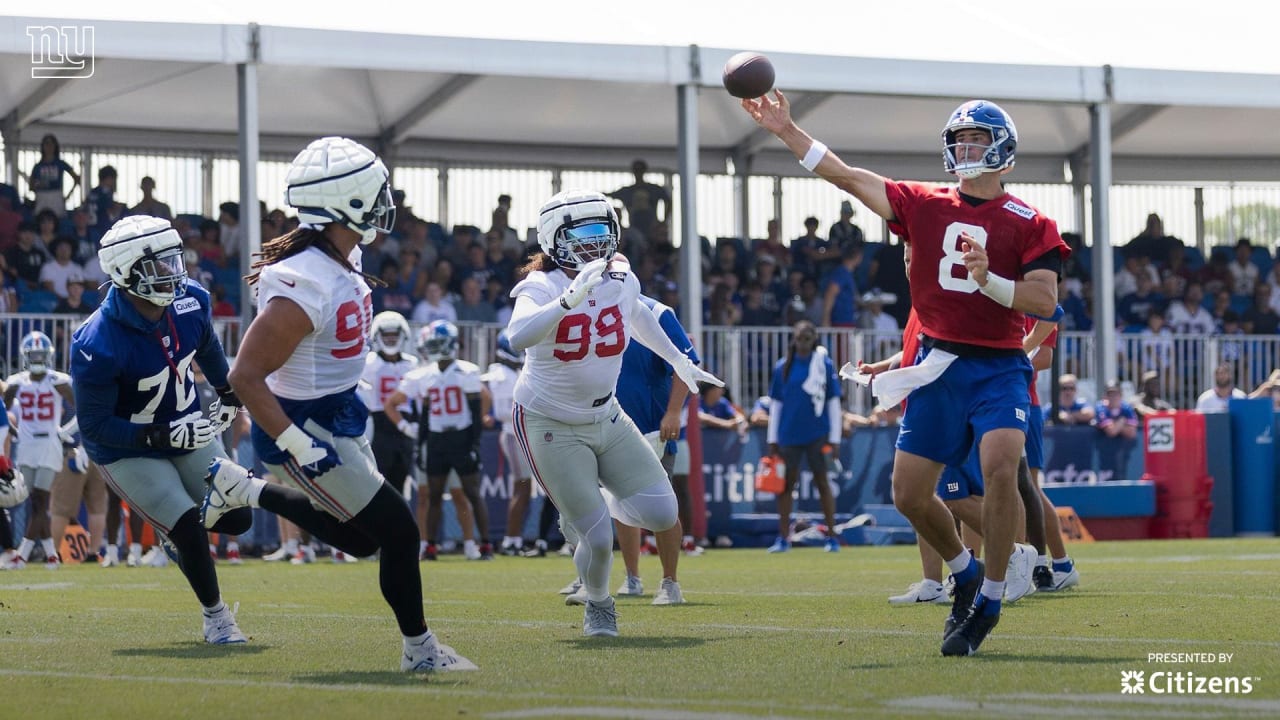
<point>574,314</point>
<point>453,401</point>
<point>501,378</point>
<point>297,372</point>
<point>36,394</point>
<point>384,367</point>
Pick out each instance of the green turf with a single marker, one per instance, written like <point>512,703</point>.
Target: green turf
<point>806,634</point>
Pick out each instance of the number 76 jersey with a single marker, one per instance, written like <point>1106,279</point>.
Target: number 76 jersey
<point>570,374</point>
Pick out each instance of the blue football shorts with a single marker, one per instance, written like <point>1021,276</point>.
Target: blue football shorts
<point>947,417</point>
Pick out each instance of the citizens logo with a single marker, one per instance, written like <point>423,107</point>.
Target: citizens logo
<point>1183,682</point>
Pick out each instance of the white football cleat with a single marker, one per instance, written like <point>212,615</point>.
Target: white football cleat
<point>342,558</point>
<point>600,619</point>
<point>278,555</point>
<point>631,586</point>
<point>1065,580</point>
<point>428,655</point>
<point>111,557</point>
<point>577,597</point>
<point>154,557</point>
<point>572,587</point>
<point>221,628</point>
<point>305,556</point>
<point>668,593</point>
<point>470,550</point>
<point>925,591</point>
<point>229,486</point>
<point>1020,575</point>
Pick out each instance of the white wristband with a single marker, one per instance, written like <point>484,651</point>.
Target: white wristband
<point>817,151</point>
<point>999,289</point>
<point>294,440</point>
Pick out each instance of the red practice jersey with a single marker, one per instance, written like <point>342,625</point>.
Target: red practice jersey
<point>932,219</point>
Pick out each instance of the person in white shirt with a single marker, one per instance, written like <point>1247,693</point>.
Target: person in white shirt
<point>501,378</point>
<point>62,269</point>
<point>1189,317</point>
<point>36,395</point>
<point>454,401</point>
<point>574,314</point>
<point>298,372</point>
<point>435,305</point>
<point>1244,274</point>
<point>1217,398</point>
<point>873,316</point>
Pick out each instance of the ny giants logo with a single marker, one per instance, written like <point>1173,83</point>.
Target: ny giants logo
<point>61,52</point>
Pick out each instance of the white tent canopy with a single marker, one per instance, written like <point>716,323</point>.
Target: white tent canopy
<point>451,98</point>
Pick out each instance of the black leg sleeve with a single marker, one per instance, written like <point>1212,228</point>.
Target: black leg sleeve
<point>192,543</point>
<point>387,519</point>
<point>235,522</point>
<point>294,506</point>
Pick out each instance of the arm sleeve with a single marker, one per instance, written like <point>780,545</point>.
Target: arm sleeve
<point>775,420</point>
<point>477,424</point>
<point>646,329</point>
<point>835,426</point>
<point>531,321</point>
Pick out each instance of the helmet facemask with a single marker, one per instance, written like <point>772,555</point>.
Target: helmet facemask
<point>159,278</point>
<point>584,241</point>
<point>390,342</point>
<point>440,348</point>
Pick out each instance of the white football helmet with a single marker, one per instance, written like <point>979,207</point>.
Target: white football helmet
<point>390,332</point>
<point>37,353</point>
<point>143,256</point>
<point>438,341</point>
<point>13,488</point>
<point>339,180</point>
<point>576,227</point>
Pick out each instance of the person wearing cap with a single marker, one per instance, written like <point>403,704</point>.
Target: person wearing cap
<point>1114,417</point>
<point>1148,401</point>
<point>873,316</point>
<point>843,232</point>
<point>1071,409</point>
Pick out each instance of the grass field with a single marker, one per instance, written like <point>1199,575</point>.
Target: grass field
<point>805,634</point>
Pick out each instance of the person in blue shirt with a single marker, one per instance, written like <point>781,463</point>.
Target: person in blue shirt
<point>47,178</point>
<point>804,422</point>
<point>102,205</point>
<point>136,401</point>
<point>840,291</point>
<point>657,406</point>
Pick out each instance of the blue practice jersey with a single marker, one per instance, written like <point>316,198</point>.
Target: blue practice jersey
<point>644,383</point>
<point>799,424</point>
<point>128,373</point>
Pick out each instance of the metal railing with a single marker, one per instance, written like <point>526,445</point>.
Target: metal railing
<point>744,357</point>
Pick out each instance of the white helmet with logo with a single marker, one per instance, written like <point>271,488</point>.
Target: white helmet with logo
<point>339,180</point>
<point>143,256</point>
<point>576,227</point>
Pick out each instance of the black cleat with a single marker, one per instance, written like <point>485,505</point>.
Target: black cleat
<point>970,633</point>
<point>1043,578</point>
<point>962,601</point>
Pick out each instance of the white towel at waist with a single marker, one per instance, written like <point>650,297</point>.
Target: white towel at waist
<point>892,387</point>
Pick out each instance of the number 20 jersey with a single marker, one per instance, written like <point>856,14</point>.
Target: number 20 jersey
<point>577,364</point>
<point>932,218</point>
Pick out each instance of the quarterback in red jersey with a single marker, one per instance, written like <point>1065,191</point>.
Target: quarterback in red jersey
<point>981,260</point>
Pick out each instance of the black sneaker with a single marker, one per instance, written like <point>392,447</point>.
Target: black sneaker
<point>1043,578</point>
<point>510,550</point>
<point>962,601</point>
<point>970,633</point>
<point>538,550</point>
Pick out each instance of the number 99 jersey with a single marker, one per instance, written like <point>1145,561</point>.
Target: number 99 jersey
<point>340,306</point>
<point>570,375</point>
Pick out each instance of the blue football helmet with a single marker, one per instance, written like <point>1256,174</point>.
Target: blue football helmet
<point>982,115</point>
<point>37,352</point>
<point>506,352</point>
<point>438,341</point>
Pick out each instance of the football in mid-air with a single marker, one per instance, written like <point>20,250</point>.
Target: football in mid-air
<point>748,75</point>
